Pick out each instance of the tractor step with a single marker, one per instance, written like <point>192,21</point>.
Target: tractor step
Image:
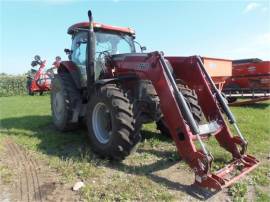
<point>209,128</point>
<point>229,174</point>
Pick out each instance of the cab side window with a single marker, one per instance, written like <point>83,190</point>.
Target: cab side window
<point>79,45</point>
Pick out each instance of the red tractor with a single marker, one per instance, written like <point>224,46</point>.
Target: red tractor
<point>115,90</point>
<point>38,80</point>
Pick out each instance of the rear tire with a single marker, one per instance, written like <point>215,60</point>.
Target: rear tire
<point>192,101</point>
<point>64,98</point>
<point>111,123</point>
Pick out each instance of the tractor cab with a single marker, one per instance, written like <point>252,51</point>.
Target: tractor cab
<point>109,40</point>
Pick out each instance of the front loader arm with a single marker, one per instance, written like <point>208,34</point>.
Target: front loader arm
<point>180,121</point>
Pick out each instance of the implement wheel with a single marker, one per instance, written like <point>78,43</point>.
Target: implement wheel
<point>111,123</point>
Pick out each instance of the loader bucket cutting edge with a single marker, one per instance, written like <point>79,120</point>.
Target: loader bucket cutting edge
<point>222,178</point>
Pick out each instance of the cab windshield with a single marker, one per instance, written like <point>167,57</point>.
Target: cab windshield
<point>107,43</point>
<point>114,43</point>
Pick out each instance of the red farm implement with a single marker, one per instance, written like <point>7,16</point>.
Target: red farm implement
<point>38,80</point>
<point>250,80</point>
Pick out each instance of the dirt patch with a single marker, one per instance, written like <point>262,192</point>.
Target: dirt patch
<point>179,180</point>
<point>32,179</point>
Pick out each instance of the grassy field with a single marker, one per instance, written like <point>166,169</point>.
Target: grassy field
<point>27,121</point>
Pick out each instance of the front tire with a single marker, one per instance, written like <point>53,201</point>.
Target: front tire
<point>192,101</point>
<point>111,123</point>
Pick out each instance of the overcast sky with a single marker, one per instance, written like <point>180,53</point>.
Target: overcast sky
<point>224,29</point>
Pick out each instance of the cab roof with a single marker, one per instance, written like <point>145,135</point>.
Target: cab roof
<point>85,25</point>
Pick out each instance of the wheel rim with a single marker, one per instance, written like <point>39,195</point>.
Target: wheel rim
<point>102,123</point>
<point>58,105</point>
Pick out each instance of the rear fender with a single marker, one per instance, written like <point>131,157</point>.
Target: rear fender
<point>116,80</point>
<point>69,66</point>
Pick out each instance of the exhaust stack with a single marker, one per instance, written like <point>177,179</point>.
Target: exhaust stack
<point>91,49</point>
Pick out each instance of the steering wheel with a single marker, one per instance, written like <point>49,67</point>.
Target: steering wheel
<point>101,59</point>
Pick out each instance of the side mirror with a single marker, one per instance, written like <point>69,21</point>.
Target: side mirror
<point>143,48</point>
<point>68,51</point>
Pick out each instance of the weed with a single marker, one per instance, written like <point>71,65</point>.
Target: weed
<point>238,192</point>
<point>5,174</point>
<point>260,176</point>
<point>262,196</point>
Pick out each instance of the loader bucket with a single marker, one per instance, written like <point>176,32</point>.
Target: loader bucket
<point>229,174</point>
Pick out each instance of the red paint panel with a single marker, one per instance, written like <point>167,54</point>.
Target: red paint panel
<point>251,75</point>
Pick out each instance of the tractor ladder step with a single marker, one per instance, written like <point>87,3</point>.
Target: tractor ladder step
<point>207,129</point>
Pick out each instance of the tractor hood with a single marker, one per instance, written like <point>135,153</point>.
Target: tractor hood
<point>125,56</point>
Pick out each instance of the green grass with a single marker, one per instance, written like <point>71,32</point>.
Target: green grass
<point>238,191</point>
<point>28,122</point>
<point>254,122</point>
<point>262,196</point>
<point>6,174</point>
